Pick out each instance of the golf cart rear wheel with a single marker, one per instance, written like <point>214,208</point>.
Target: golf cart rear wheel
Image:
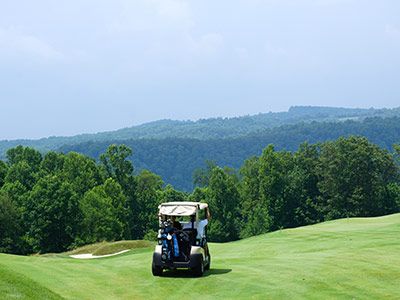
<point>156,270</point>
<point>208,266</point>
<point>199,269</point>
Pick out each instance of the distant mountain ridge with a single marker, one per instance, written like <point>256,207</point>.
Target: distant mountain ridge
<point>175,159</point>
<point>212,128</point>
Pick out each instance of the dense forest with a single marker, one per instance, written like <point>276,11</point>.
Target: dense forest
<point>56,201</point>
<point>213,128</point>
<point>175,159</point>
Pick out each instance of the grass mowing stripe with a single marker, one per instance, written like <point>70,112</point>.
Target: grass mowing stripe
<point>17,286</point>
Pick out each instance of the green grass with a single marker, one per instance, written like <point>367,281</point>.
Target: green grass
<point>347,259</point>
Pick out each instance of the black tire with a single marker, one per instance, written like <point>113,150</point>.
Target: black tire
<point>156,270</point>
<point>208,266</point>
<point>198,270</point>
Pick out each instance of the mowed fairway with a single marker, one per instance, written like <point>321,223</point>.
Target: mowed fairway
<point>349,259</point>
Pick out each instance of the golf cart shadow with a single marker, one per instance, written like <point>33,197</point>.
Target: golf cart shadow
<point>187,274</point>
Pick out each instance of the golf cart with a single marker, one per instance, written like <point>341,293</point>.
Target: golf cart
<point>182,241</point>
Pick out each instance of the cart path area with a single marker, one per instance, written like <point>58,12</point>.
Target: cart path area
<point>91,256</point>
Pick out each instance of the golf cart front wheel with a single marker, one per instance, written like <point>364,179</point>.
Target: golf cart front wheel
<point>199,269</point>
<point>156,270</point>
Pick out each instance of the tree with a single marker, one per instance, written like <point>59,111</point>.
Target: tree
<point>120,203</point>
<point>169,194</point>
<point>255,216</point>
<point>201,176</point>
<point>52,163</point>
<point>10,229</point>
<point>81,171</point>
<point>223,199</point>
<point>256,222</point>
<point>53,214</point>
<point>116,164</point>
<point>274,183</point>
<point>104,213</point>
<point>354,178</point>
<point>22,172</point>
<point>303,182</point>
<point>198,195</point>
<point>3,172</point>
<point>148,195</point>
<point>31,156</point>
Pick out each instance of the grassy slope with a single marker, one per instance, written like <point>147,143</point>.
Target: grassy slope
<point>350,258</point>
<point>105,248</point>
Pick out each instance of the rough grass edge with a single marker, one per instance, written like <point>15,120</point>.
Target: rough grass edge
<point>104,248</point>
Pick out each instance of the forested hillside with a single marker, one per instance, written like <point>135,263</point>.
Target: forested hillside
<point>214,128</point>
<point>175,159</point>
<point>58,201</point>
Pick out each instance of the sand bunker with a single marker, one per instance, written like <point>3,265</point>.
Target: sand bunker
<point>91,256</point>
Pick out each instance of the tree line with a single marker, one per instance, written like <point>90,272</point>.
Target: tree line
<point>55,202</point>
<point>58,201</point>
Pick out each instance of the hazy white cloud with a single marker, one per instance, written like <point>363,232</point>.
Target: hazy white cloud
<point>145,15</point>
<point>164,28</point>
<point>242,53</point>
<point>273,50</point>
<point>174,9</point>
<point>392,31</point>
<point>331,2</point>
<point>17,43</point>
<point>208,44</point>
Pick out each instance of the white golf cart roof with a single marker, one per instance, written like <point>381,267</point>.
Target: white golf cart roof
<point>180,208</point>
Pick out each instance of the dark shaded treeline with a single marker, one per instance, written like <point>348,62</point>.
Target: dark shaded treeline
<point>175,159</point>
<point>59,201</point>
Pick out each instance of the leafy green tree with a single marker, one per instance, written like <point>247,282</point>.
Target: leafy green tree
<point>31,156</point>
<point>394,193</point>
<point>274,182</point>
<point>257,221</point>
<point>24,164</point>
<point>223,198</point>
<point>303,182</point>
<point>53,214</point>
<point>3,172</point>
<point>255,216</point>
<point>119,201</point>
<point>201,176</point>
<point>198,195</point>
<point>16,198</point>
<point>169,194</point>
<point>396,153</point>
<point>17,192</point>
<point>116,164</point>
<point>354,177</point>
<point>52,163</point>
<point>81,171</point>
<point>10,229</point>
<point>104,213</point>
<point>22,172</point>
<point>148,195</point>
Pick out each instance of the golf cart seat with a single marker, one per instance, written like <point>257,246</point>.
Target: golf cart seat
<point>192,234</point>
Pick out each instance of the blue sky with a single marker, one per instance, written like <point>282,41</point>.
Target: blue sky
<point>68,67</point>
